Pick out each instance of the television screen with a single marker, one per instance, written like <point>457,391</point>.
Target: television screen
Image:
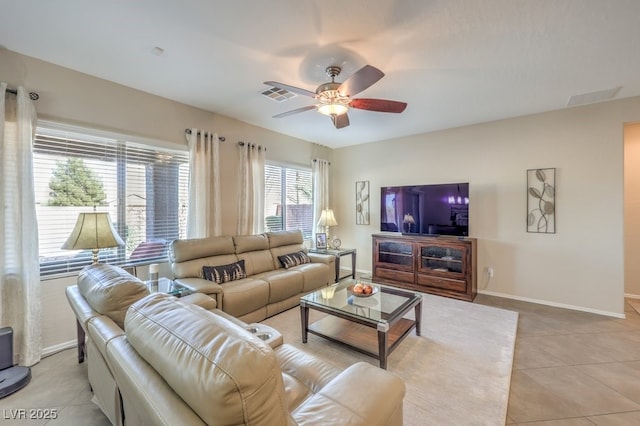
<point>440,209</point>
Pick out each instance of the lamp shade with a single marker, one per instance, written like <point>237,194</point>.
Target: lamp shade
<point>93,231</point>
<point>327,218</point>
<point>409,219</point>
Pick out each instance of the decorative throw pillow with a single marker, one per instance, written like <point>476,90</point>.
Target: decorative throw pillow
<point>224,273</point>
<point>293,259</point>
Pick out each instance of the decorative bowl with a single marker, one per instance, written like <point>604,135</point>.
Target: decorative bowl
<point>374,291</point>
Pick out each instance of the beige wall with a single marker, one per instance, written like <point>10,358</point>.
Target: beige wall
<point>581,265</point>
<point>632,209</point>
<point>70,97</point>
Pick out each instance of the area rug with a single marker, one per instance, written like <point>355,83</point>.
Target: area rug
<point>458,372</point>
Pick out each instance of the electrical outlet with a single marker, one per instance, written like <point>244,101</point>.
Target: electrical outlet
<point>490,272</point>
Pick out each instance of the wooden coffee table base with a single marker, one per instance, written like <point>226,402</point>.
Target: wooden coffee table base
<point>375,342</point>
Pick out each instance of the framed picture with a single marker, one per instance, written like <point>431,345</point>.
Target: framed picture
<point>541,201</point>
<point>362,202</point>
<point>321,241</point>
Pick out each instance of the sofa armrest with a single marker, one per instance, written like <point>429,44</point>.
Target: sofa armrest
<point>102,330</point>
<point>199,299</point>
<point>360,395</point>
<point>200,285</point>
<point>79,305</point>
<point>329,259</point>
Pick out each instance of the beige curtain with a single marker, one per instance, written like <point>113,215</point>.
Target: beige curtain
<point>251,197</point>
<point>19,264</point>
<point>320,173</point>
<point>205,216</point>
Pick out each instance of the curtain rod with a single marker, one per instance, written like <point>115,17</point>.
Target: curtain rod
<point>315,160</point>
<point>32,95</point>
<point>252,145</point>
<point>220,138</point>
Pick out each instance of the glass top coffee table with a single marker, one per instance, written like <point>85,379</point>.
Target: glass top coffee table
<point>371,324</point>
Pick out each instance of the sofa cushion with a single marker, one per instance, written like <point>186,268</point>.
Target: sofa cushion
<point>244,296</point>
<point>282,284</point>
<point>246,243</point>
<point>294,259</point>
<point>284,238</point>
<point>224,273</point>
<point>196,248</point>
<point>193,268</point>
<point>315,276</point>
<point>224,373</point>
<point>258,261</point>
<point>303,375</point>
<point>189,256</point>
<point>110,290</point>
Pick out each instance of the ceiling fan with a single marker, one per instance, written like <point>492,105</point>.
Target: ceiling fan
<point>334,99</point>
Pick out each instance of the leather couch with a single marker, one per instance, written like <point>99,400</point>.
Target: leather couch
<point>155,359</point>
<point>180,364</point>
<point>268,288</point>
<point>100,301</point>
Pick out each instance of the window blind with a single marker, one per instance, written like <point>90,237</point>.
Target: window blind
<point>143,187</point>
<point>288,199</point>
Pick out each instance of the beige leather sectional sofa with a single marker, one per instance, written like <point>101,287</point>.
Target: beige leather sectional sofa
<point>155,359</point>
<point>268,288</point>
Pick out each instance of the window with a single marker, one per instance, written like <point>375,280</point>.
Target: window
<point>142,186</point>
<point>288,199</point>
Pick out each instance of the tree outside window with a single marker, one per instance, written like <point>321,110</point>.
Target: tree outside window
<point>74,184</point>
<point>143,188</point>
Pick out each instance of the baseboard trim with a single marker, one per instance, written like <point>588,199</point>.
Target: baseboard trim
<point>363,272</point>
<point>554,304</point>
<point>51,350</point>
<point>538,301</point>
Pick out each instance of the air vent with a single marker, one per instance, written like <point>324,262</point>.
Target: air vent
<point>278,95</point>
<point>593,97</point>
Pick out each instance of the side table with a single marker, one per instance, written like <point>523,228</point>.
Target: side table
<point>166,285</point>
<point>338,253</point>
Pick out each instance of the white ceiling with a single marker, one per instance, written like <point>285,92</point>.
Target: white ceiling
<point>455,62</point>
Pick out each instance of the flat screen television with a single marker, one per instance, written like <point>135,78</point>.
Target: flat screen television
<point>439,209</point>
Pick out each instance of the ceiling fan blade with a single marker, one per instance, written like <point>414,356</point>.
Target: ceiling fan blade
<point>360,80</point>
<point>380,105</point>
<point>340,121</point>
<point>291,88</point>
<point>294,111</point>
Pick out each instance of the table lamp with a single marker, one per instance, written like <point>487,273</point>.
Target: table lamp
<point>93,231</point>
<point>327,219</point>
<point>408,221</point>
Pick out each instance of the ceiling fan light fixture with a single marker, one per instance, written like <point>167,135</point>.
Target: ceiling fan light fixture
<point>336,99</point>
<point>332,109</point>
<point>330,102</point>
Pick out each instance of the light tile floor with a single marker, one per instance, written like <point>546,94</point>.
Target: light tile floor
<point>58,387</point>
<point>570,369</point>
<point>573,368</point>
